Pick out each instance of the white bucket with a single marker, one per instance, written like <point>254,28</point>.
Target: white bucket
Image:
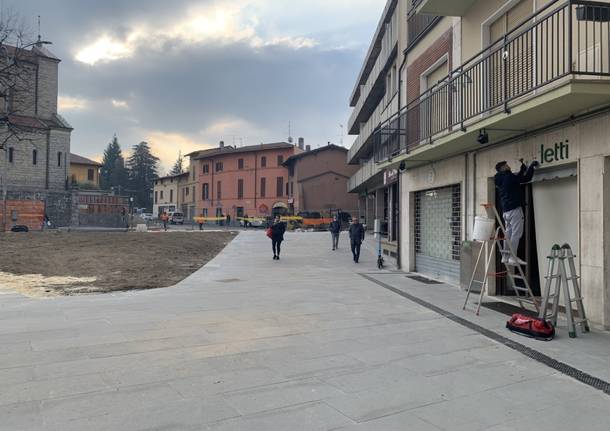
<point>483,229</point>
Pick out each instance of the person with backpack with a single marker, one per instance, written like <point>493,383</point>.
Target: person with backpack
<point>356,236</point>
<point>512,199</point>
<point>276,233</point>
<point>335,231</point>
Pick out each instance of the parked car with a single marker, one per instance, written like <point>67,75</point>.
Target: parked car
<point>176,218</point>
<point>257,222</point>
<point>146,217</point>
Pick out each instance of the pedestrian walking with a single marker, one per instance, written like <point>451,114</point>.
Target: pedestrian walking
<point>356,236</point>
<point>335,231</point>
<point>164,219</point>
<point>512,198</point>
<point>278,228</point>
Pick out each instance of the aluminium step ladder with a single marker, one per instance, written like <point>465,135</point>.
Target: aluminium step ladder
<point>514,269</point>
<point>558,279</point>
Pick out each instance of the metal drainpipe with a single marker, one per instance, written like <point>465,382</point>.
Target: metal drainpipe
<point>399,198</point>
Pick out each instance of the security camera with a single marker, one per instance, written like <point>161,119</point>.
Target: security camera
<point>483,137</point>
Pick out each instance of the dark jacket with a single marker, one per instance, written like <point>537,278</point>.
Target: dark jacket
<point>356,233</point>
<point>335,226</point>
<point>510,187</point>
<point>277,231</point>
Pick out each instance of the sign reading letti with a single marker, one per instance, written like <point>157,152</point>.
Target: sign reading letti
<point>561,151</point>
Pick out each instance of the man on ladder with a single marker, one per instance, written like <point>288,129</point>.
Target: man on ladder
<point>512,198</point>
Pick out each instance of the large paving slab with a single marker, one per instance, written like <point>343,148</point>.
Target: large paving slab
<point>248,343</point>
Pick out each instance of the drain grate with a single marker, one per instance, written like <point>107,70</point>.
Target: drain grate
<point>423,279</point>
<point>562,367</point>
<point>508,309</point>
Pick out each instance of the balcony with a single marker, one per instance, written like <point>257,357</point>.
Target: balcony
<point>373,90</point>
<point>418,25</point>
<point>554,65</point>
<point>360,147</point>
<point>444,7</point>
<point>360,182</point>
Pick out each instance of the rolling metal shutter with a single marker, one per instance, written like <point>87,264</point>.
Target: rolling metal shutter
<point>438,233</point>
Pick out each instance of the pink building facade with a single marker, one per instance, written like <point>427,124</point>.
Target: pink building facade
<point>242,182</point>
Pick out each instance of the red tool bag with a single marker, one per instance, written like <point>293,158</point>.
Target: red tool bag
<point>531,327</point>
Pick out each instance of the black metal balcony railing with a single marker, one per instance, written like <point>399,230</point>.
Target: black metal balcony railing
<point>572,39</point>
<point>418,25</point>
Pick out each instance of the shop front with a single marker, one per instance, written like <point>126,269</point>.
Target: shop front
<point>567,202</point>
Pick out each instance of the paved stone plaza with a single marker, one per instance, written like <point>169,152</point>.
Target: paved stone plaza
<point>248,343</point>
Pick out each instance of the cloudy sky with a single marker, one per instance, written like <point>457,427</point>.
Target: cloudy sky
<point>185,74</point>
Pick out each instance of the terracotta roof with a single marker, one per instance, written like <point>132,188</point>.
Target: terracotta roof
<point>29,122</point>
<point>298,156</point>
<point>204,154</point>
<point>75,159</point>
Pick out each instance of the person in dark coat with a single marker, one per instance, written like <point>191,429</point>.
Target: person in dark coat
<point>356,236</point>
<point>335,231</point>
<point>512,199</point>
<point>278,228</point>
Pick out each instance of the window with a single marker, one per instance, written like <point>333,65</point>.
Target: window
<point>291,189</point>
<point>34,157</point>
<point>263,187</point>
<point>263,162</point>
<point>194,193</point>
<point>11,155</point>
<point>280,187</point>
<point>186,191</point>
<point>240,189</point>
<point>161,195</point>
<point>219,190</point>
<point>219,166</point>
<point>206,169</point>
<point>156,197</point>
<point>240,164</point>
<point>280,160</point>
<point>171,196</point>
<point>287,189</point>
<point>205,212</point>
<point>59,158</point>
<point>205,193</point>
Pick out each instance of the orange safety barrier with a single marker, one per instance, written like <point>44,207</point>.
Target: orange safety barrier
<point>316,221</point>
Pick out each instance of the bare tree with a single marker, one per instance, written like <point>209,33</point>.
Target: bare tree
<point>17,76</point>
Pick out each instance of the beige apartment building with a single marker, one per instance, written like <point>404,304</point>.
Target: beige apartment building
<point>377,98</point>
<point>167,193</point>
<point>493,80</point>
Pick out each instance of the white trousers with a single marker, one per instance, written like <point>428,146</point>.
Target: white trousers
<point>513,221</point>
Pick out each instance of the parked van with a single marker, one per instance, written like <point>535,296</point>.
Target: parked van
<point>176,218</point>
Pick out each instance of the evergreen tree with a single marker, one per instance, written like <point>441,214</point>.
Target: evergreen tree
<point>178,168</point>
<point>114,174</point>
<point>143,170</point>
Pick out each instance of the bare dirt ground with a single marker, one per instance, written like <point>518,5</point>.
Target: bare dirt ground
<point>71,263</point>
